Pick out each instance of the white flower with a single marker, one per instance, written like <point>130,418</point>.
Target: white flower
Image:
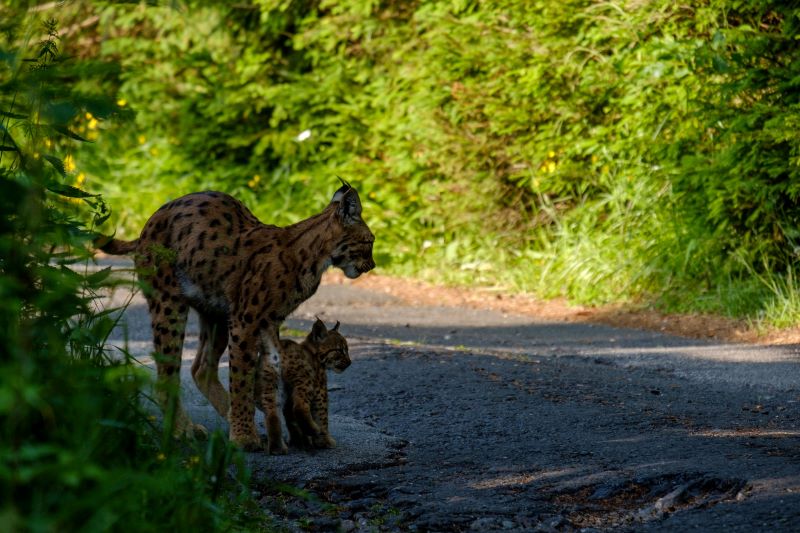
<point>305,134</point>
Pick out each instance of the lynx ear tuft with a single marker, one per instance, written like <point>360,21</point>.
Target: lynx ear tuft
<point>336,327</point>
<point>341,191</point>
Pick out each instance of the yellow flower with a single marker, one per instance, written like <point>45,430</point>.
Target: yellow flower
<point>551,166</point>
<point>69,163</point>
<point>256,178</point>
<point>604,169</point>
<point>79,179</point>
<point>154,151</point>
<point>142,139</point>
<point>161,456</point>
<point>551,154</point>
<point>48,143</point>
<point>594,158</point>
<point>89,116</point>
<point>372,195</point>
<point>92,124</point>
<point>122,102</point>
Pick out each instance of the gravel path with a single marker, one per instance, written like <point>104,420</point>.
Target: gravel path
<point>457,419</point>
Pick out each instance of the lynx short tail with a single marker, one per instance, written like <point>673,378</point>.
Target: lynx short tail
<point>115,246</point>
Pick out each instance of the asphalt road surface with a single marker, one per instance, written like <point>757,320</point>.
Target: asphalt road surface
<point>454,419</point>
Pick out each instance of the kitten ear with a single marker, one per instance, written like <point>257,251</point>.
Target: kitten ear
<point>318,331</point>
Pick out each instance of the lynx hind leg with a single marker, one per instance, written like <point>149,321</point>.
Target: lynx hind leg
<point>297,438</point>
<point>205,369</point>
<point>301,411</point>
<point>169,327</point>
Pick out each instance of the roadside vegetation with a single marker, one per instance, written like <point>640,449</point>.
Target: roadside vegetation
<point>640,152</point>
<point>79,448</point>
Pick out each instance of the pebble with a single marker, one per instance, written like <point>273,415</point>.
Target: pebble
<point>482,524</point>
<point>361,504</point>
<point>327,524</point>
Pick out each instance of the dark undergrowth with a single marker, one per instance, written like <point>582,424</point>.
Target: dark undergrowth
<point>78,449</point>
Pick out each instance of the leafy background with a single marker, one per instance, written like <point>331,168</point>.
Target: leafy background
<point>643,152</point>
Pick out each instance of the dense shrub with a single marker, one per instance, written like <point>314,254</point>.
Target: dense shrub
<point>606,151</point>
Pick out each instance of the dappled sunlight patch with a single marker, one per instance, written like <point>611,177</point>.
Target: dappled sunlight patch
<point>732,353</point>
<point>638,501</point>
<point>747,432</point>
<point>630,440</point>
<point>518,479</point>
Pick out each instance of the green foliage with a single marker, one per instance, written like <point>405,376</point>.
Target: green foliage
<point>641,151</point>
<point>78,451</point>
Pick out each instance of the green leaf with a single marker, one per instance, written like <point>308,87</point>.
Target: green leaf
<point>100,275</point>
<point>102,218</point>
<point>12,115</point>
<point>69,191</point>
<point>57,163</point>
<point>69,133</point>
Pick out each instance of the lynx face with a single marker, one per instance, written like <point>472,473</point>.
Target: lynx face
<point>333,351</point>
<point>353,252</point>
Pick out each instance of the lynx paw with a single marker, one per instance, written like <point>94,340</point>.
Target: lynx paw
<point>278,448</point>
<point>324,441</point>
<point>190,430</point>
<point>248,443</point>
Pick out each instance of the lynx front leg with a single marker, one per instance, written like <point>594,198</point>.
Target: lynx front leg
<point>320,413</point>
<point>273,392</point>
<point>243,349</point>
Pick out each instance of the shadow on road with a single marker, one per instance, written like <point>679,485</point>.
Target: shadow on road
<point>456,419</point>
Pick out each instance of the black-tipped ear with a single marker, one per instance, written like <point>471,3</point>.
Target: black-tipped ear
<point>349,209</point>
<point>318,331</point>
<point>336,327</point>
<point>340,192</point>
